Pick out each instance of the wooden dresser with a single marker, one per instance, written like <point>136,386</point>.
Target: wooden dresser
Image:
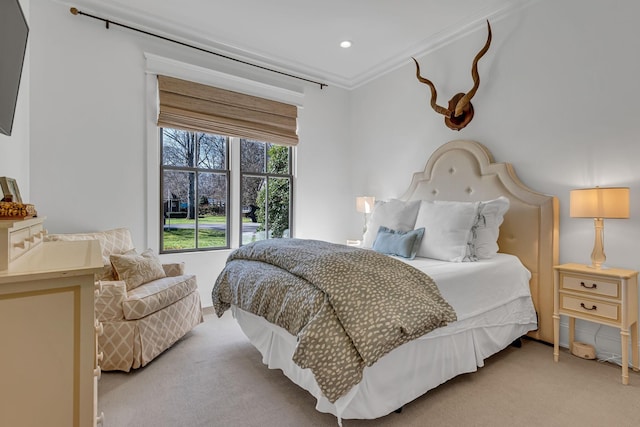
<point>48,361</point>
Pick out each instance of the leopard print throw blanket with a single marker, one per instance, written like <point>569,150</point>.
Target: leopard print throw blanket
<point>347,306</point>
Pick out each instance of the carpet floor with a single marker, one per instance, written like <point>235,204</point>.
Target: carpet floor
<point>215,377</point>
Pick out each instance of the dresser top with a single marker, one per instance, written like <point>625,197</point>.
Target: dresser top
<point>605,271</point>
<point>20,223</point>
<point>55,259</point>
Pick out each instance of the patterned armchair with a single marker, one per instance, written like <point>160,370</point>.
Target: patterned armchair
<point>141,322</point>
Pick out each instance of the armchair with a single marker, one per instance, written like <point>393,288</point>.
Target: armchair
<point>139,322</point>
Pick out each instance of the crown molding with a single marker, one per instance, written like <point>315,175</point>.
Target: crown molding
<point>461,29</point>
<point>436,41</point>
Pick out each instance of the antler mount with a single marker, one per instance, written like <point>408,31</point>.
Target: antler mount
<point>460,110</point>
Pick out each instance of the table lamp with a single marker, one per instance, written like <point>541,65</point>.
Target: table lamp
<point>364,204</point>
<point>599,203</point>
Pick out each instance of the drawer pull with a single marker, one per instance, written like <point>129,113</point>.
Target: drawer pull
<point>99,327</point>
<point>594,286</point>
<point>593,307</point>
<point>21,245</point>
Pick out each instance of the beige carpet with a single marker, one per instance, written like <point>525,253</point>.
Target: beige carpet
<point>214,377</point>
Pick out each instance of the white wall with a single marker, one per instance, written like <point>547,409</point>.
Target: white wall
<point>14,149</point>
<point>557,99</point>
<point>88,135</point>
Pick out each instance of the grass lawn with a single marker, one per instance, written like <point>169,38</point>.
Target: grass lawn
<point>184,238</point>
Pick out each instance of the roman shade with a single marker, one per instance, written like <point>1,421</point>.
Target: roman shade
<point>194,106</point>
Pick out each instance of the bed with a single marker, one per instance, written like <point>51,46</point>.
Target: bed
<point>511,293</point>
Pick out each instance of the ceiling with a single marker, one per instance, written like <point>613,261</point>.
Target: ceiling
<point>301,36</point>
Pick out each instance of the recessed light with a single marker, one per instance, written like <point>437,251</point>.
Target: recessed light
<point>345,44</point>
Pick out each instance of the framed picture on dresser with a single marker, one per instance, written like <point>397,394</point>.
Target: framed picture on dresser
<point>10,191</point>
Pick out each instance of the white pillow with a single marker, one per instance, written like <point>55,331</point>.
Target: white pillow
<point>447,229</point>
<point>394,214</point>
<point>485,230</point>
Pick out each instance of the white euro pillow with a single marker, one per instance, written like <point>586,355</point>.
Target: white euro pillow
<point>447,228</point>
<point>395,214</point>
<point>486,229</point>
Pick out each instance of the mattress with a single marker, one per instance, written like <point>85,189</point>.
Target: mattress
<point>493,305</point>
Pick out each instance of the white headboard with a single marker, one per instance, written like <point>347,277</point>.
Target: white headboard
<point>465,171</point>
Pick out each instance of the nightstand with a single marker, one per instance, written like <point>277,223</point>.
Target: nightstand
<point>606,296</point>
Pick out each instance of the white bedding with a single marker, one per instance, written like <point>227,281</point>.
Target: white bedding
<point>493,305</point>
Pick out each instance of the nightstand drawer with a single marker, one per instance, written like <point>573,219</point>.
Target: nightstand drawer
<point>596,286</point>
<point>592,308</point>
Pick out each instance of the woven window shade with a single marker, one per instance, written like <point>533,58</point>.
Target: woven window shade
<point>194,106</point>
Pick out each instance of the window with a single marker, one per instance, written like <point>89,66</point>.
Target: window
<point>195,190</point>
<point>266,190</point>
<point>225,182</point>
<point>197,195</point>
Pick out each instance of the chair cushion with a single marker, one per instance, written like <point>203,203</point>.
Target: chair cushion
<point>156,295</point>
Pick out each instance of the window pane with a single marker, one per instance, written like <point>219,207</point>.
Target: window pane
<point>278,207</point>
<point>252,156</point>
<point>212,210</point>
<point>212,152</point>
<point>252,211</point>
<point>178,212</point>
<point>278,159</point>
<point>179,147</point>
<point>266,190</point>
<point>194,190</point>
<point>265,208</point>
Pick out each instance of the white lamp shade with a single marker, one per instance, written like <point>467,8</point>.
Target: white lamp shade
<point>612,202</point>
<point>365,204</point>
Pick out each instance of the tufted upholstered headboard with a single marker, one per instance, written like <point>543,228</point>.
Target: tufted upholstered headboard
<point>465,171</point>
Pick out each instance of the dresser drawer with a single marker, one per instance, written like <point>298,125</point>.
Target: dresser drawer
<point>592,285</point>
<point>17,237</point>
<point>596,309</point>
<point>18,243</point>
<point>36,234</point>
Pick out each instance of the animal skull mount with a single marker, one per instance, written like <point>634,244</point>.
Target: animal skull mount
<point>460,111</point>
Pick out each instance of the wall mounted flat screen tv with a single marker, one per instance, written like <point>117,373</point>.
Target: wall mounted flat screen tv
<point>13,44</point>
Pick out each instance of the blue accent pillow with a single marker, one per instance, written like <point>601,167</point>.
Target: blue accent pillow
<point>399,243</point>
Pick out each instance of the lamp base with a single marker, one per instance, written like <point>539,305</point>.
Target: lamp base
<point>598,256</point>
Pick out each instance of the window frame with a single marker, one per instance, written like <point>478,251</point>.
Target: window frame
<point>196,170</point>
<point>234,178</point>
<point>267,176</point>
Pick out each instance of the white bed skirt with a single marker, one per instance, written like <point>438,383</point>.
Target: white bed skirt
<point>405,373</point>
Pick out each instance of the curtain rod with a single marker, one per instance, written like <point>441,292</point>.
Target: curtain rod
<point>108,22</point>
